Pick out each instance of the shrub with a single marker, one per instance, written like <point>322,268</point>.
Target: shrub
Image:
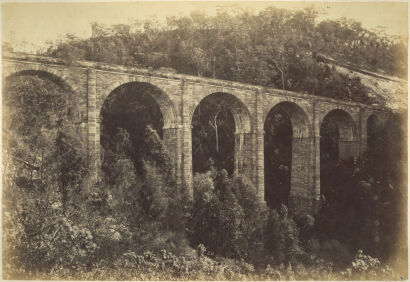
<point>365,267</point>
<point>332,250</point>
<point>282,236</point>
<point>41,236</point>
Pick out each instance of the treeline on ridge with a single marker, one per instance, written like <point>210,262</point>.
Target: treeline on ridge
<point>275,47</point>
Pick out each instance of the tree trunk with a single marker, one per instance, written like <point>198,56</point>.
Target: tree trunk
<point>215,126</point>
<point>283,79</point>
<point>41,170</point>
<point>214,66</point>
<point>216,136</point>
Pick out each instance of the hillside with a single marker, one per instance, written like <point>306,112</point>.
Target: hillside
<point>391,91</point>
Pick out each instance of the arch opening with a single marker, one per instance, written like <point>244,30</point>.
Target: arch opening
<point>35,110</point>
<point>126,115</point>
<point>220,133</point>
<point>286,147</point>
<point>338,146</point>
<point>45,75</point>
<point>46,93</point>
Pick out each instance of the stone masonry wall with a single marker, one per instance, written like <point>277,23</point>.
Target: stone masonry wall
<point>178,97</point>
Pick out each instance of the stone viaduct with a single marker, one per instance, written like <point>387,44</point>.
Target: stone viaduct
<point>178,96</point>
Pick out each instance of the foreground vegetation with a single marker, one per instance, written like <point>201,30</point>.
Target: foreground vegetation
<point>136,224</point>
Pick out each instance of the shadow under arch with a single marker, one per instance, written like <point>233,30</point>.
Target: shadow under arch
<point>161,98</point>
<point>288,149</point>
<point>133,106</point>
<point>339,145</point>
<point>236,112</point>
<point>338,135</point>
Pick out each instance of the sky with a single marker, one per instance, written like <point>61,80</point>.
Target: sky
<point>28,26</point>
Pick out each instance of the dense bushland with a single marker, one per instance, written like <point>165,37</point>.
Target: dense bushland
<point>135,223</point>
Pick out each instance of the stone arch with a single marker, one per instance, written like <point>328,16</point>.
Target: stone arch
<point>45,74</point>
<point>301,154</point>
<point>165,104</point>
<point>166,107</point>
<point>379,119</point>
<point>240,111</point>
<point>375,119</point>
<point>43,71</point>
<point>339,142</point>
<point>301,124</point>
<point>243,127</point>
<point>346,126</point>
<point>370,115</point>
